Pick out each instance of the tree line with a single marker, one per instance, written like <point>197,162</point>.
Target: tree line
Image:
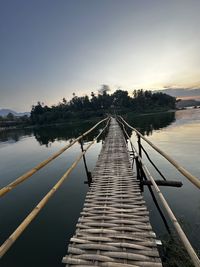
<point>100,104</point>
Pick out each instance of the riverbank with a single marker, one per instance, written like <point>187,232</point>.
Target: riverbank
<point>77,121</point>
<point>55,124</point>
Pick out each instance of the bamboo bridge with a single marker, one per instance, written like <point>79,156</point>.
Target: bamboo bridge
<point>114,228</point>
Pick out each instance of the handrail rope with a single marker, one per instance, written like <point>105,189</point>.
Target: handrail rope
<point>182,170</point>
<point>177,226</point>
<point>13,237</point>
<point>144,152</point>
<point>153,163</point>
<point>29,173</point>
<point>149,187</point>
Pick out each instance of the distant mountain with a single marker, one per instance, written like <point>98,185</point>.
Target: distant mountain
<point>187,97</point>
<point>187,103</point>
<point>4,112</point>
<point>184,93</point>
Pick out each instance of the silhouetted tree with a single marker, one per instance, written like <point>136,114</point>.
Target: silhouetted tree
<point>104,89</point>
<point>10,116</point>
<point>84,107</point>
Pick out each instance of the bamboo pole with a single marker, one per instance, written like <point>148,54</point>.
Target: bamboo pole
<point>164,183</point>
<point>13,237</point>
<point>29,173</point>
<point>180,232</point>
<point>182,235</point>
<point>182,170</point>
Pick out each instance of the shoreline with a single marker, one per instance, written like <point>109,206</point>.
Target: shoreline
<point>78,121</point>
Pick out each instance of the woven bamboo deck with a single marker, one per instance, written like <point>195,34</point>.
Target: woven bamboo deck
<point>114,228</point>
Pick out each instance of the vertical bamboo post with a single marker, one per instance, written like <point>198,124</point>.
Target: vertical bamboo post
<point>89,176</point>
<point>139,145</point>
<point>137,168</point>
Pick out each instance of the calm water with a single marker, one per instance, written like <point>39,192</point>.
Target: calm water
<point>180,138</point>
<point>44,242</point>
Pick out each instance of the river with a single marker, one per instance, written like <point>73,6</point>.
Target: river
<point>44,242</point>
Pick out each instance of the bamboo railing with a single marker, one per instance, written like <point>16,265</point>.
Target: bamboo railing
<point>182,170</point>
<point>13,237</point>
<point>179,230</point>
<point>29,173</point>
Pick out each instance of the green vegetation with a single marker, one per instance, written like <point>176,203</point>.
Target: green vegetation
<point>101,104</point>
<point>13,121</point>
<point>174,254</point>
<point>92,108</point>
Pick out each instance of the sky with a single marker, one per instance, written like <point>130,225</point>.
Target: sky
<point>52,48</point>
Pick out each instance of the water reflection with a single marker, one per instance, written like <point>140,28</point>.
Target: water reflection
<point>49,134</point>
<point>146,124</point>
<point>14,135</point>
<point>63,210</point>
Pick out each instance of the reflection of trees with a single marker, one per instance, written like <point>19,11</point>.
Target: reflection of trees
<point>46,135</point>
<point>14,135</point>
<point>147,123</point>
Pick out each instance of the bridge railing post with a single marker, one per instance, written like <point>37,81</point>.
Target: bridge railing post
<point>139,145</point>
<point>140,173</point>
<point>137,167</point>
<point>88,173</point>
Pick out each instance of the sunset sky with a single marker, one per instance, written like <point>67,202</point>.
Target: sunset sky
<point>52,48</point>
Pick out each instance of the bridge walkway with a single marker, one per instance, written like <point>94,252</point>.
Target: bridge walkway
<point>114,228</point>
